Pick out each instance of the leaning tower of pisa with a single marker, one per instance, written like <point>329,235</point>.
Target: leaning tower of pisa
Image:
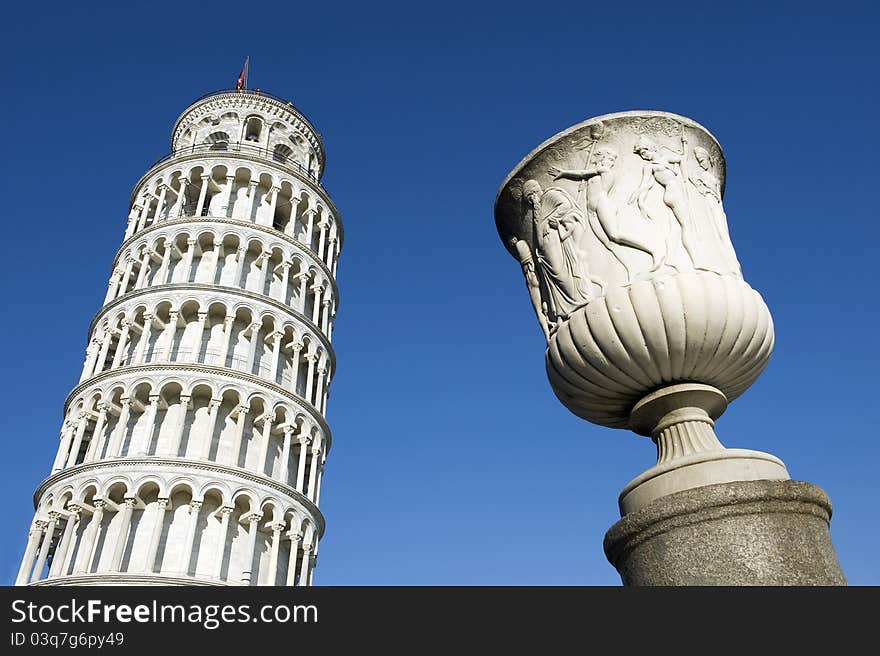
<point>192,448</point>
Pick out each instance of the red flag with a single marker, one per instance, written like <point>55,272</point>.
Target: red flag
<point>242,77</point>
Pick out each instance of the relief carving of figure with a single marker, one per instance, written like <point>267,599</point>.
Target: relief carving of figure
<point>524,253</point>
<point>556,222</point>
<point>599,181</point>
<point>708,186</point>
<point>663,167</point>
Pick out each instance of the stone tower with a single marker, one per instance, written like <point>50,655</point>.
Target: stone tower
<point>192,448</point>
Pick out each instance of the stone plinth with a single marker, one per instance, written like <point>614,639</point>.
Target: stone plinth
<point>739,533</point>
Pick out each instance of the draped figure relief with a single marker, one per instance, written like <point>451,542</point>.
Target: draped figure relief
<point>612,202</point>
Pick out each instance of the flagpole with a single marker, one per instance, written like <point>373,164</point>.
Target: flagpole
<point>247,70</point>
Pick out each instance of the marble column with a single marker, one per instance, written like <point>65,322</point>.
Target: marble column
<point>264,443</point>
<point>274,549</point>
<point>192,525</point>
<point>203,193</point>
<point>294,368</point>
<point>117,440</point>
<point>213,410</point>
<point>48,534</point>
<point>225,512</point>
<point>122,533</point>
<point>90,538</point>
<point>30,552</point>
<point>253,520</point>
<point>295,538</point>
<point>304,440</point>
<point>78,438</point>
<point>59,560</point>
<point>121,345</point>
<point>156,534</point>
<point>238,436</point>
<point>67,432</point>
<point>179,426</point>
<point>94,448</point>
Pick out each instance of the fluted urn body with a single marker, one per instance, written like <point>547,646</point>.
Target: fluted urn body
<point>619,227</point>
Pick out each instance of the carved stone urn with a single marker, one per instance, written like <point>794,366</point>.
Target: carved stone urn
<point>619,227</point>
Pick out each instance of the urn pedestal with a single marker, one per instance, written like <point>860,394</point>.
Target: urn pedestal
<point>619,227</point>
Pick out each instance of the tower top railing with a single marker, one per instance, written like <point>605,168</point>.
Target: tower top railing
<point>244,147</point>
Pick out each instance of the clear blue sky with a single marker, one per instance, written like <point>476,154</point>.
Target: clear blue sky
<point>452,461</point>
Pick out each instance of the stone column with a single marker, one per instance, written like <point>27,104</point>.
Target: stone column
<point>276,353</point>
<point>310,223</point>
<point>192,525</point>
<point>161,277</point>
<point>276,527</point>
<point>310,376</point>
<point>253,520</point>
<point>156,534</point>
<point>91,357</point>
<point>102,355</point>
<point>30,552</point>
<point>179,426</point>
<point>239,266</point>
<point>319,386</point>
<point>290,228</point>
<point>77,440</point>
<point>67,430</point>
<point>144,342</point>
<point>180,203</point>
<point>294,370</point>
<point>225,512</point>
<point>227,194</point>
<point>145,211</point>
<point>142,272</point>
<point>203,193</point>
<point>122,534</point>
<point>285,280</point>
<point>121,345</point>
<point>239,435</point>
<point>252,194</point>
<point>87,550</point>
<point>97,435</point>
<point>316,305</point>
<point>285,454</point>
<point>325,314</point>
<point>295,538</point>
<point>44,547</point>
<point>160,205</point>
<point>306,558</point>
<point>252,352</point>
<point>149,427</point>
<point>171,330</point>
<point>215,261</point>
<point>62,550</point>
<point>118,438</point>
<point>301,461</point>
<point>188,260</point>
<point>313,473</point>
<point>214,408</point>
<point>264,444</point>
<point>273,202</point>
<point>113,285</point>
<point>303,283</point>
<point>322,239</point>
<point>228,322</point>
<point>200,333</point>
